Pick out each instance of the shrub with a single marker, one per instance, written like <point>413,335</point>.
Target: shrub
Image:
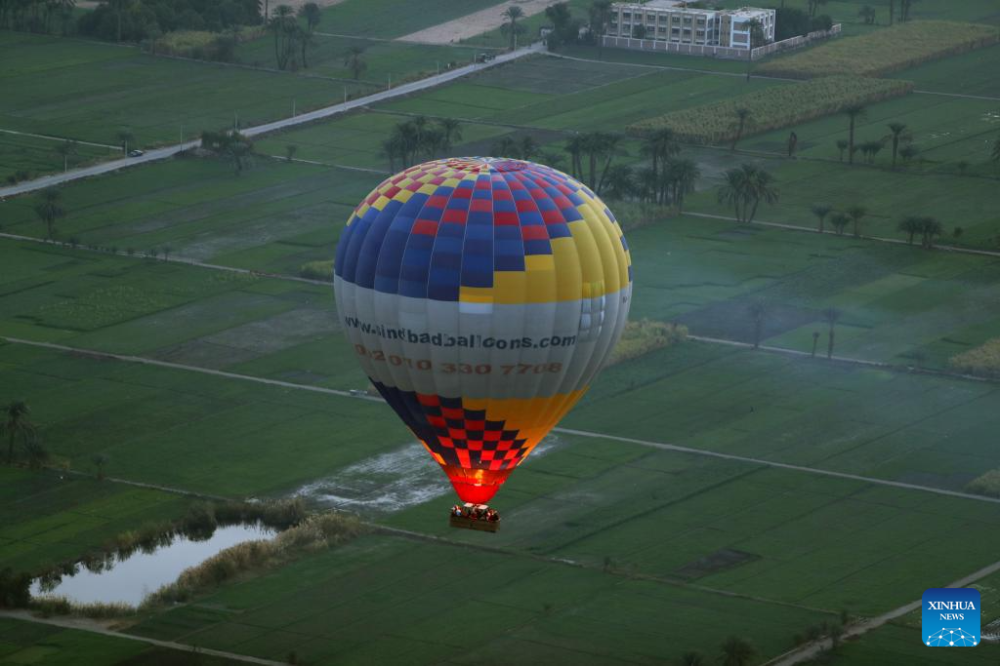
<point>988,484</point>
<point>14,588</point>
<point>883,51</point>
<point>641,337</point>
<point>983,361</point>
<point>317,270</point>
<point>773,108</point>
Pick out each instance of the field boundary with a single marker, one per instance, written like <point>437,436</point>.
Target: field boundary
<point>677,448</point>
<point>96,628</point>
<point>266,128</point>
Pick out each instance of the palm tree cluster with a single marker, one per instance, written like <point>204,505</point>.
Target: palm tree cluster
<point>420,138</point>
<point>744,188</point>
<point>524,149</point>
<point>840,219</point>
<point>291,38</point>
<point>926,227</point>
<point>591,153</point>
<point>354,60</point>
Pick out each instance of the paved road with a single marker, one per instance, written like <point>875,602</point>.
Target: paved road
<point>663,446</point>
<point>318,114</point>
<point>811,650</point>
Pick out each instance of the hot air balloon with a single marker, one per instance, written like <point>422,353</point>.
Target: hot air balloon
<point>482,295</point>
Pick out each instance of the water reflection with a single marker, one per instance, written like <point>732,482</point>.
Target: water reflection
<point>129,579</point>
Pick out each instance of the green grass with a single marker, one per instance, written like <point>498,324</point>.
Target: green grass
<point>91,90</point>
<point>336,607</point>
<point>971,73</point>
<point>31,643</point>
<point>400,60</point>
<point>34,155</point>
<point>203,211</point>
<point>52,517</point>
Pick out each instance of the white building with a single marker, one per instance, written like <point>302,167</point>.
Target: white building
<point>674,21</point>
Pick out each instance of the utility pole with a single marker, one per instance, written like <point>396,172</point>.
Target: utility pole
<point>293,107</point>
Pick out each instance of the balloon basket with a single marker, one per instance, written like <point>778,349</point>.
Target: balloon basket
<point>474,517</point>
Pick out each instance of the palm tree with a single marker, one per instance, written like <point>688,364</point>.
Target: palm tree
<point>16,425</point>
<point>908,152</point>
<point>995,155</point>
<point>354,60</point>
<point>757,311</point>
<point>48,210</point>
<point>821,210</point>
<point>118,6</point>
<point>660,145</point>
<point>897,130</point>
<point>506,147</point>
<point>599,13</point>
<point>744,188</point>
<point>290,151</point>
<point>451,131</point>
<point>528,147</point>
<point>840,221</point>
<point>756,39</point>
<point>608,146</point>
<point>841,146</point>
<point>620,182</point>
<point>910,225</point>
<point>857,213</point>
<point>853,111</point>
<point>692,658</point>
<point>930,228</point>
<point>125,137</point>
<point>737,651</point>
<point>831,315</point>
<point>312,14</point>
<point>892,11</point>
<point>575,147</point>
<point>744,116</point>
<point>281,25</point>
<point>66,149</point>
<point>683,175</point>
<point>510,27</point>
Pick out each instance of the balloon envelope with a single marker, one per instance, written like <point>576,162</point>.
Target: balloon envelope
<point>482,296</point>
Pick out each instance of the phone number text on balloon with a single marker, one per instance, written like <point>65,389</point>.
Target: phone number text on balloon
<point>460,368</point>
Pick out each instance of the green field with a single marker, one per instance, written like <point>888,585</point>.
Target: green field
<point>611,551</point>
<point>48,518</point>
<point>90,90</point>
<point>383,59</point>
<point>32,155</point>
<point>30,643</point>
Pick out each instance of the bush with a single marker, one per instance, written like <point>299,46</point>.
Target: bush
<point>884,51</point>
<point>314,533</point>
<point>14,588</point>
<point>317,270</point>
<point>983,361</point>
<point>988,484</point>
<point>644,336</point>
<point>773,108</point>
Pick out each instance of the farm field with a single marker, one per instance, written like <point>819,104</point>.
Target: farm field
<point>52,517</point>
<point>383,59</point>
<point>773,108</point>
<point>90,90</point>
<point>701,272</point>
<point>342,607</point>
<point>878,53</point>
<point>30,155</point>
<point>970,73</point>
<point>31,643</point>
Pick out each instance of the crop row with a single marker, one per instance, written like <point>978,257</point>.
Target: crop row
<point>884,51</point>
<point>773,108</point>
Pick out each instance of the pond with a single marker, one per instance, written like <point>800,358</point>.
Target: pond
<point>130,580</point>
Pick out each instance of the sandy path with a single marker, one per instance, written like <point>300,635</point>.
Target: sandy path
<point>476,23</point>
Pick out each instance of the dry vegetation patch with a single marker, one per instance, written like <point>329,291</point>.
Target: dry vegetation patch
<point>773,108</point>
<point>884,51</point>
